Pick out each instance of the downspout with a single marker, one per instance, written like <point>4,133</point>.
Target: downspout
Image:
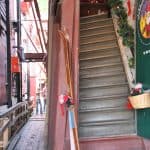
<point>8,84</point>
<point>28,81</point>
<point>19,75</point>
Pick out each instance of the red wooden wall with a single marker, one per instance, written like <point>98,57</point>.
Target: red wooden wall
<point>58,137</point>
<point>33,88</point>
<point>3,61</point>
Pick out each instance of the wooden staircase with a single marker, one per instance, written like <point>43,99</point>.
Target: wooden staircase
<point>103,84</point>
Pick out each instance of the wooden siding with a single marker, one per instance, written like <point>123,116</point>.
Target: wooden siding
<point>3,57</point>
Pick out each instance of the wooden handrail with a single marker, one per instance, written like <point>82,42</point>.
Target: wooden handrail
<point>9,110</point>
<point>4,126</point>
<point>12,120</point>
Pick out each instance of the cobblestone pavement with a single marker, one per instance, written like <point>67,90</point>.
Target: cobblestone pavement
<point>31,136</point>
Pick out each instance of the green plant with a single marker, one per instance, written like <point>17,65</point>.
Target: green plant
<point>125,30</point>
<point>131,62</point>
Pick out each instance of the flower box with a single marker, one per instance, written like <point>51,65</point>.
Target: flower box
<point>140,101</point>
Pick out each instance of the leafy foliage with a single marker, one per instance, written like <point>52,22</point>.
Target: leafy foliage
<point>125,30</point>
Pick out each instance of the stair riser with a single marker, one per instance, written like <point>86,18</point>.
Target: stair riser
<point>100,53</point>
<point>102,116</point>
<point>101,34</point>
<point>96,23</point>
<point>102,80</point>
<point>107,70</point>
<point>93,18</point>
<point>101,61</point>
<point>97,37</point>
<point>98,45</point>
<point>110,130</point>
<point>99,41</point>
<point>107,91</point>
<point>103,104</point>
<point>99,30</point>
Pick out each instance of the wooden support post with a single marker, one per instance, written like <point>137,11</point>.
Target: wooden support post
<point>4,133</point>
<point>37,28</point>
<point>40,22</point>
<point>74,140</point>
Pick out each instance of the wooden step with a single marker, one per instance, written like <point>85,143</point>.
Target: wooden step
<point>103,90</point>
<point>100,56</point>
<point>95,30</point>
<point>118,128</point>
<point>91,38</point>
<point>98,46</point>
<point>101,103</point>
<point>97,34</point>
<point>103,40</point>
<point>101,69</point>
<point>102,75</point>
<point>98,80</point>
<point>102,61</point>
<point>118,96</point>
<point>102,48</point>
<point>96,23</point>
<point>92,18</point>
<point>107,115</point>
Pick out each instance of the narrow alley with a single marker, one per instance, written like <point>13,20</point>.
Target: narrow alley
<point>74,74</point>
<point>32,136</point>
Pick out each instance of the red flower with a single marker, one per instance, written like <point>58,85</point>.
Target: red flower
<point>129,106</point>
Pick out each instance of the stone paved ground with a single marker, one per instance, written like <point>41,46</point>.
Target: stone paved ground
<point>31,136</point>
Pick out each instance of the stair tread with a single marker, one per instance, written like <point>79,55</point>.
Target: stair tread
<point>123,108</point>
<point>97,27</point>
<point>101,75</point>
<point>99,66</point>
<point>105,85</point>
<point>100,20</point>
<point>103,39</point>
<point>98,46</point>
<point>99,49</point>
<point>100,57</point>
<point>95,34</point>
<point>106,115</point>
<point>103,97</point>
<point>85,17</point>
<point>101,123</point>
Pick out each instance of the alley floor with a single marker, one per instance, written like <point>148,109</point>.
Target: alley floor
<point>31,136</point>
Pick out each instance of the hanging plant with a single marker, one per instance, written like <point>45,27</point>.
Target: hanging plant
<point>125,30</point>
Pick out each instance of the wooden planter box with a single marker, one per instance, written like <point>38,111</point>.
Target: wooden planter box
<point>140,101</point>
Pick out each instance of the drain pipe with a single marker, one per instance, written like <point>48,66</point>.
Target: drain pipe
<point>19,75</point>
<point>8,84</point>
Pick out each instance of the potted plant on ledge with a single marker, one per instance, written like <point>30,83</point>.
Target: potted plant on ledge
<point>139,99</point>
